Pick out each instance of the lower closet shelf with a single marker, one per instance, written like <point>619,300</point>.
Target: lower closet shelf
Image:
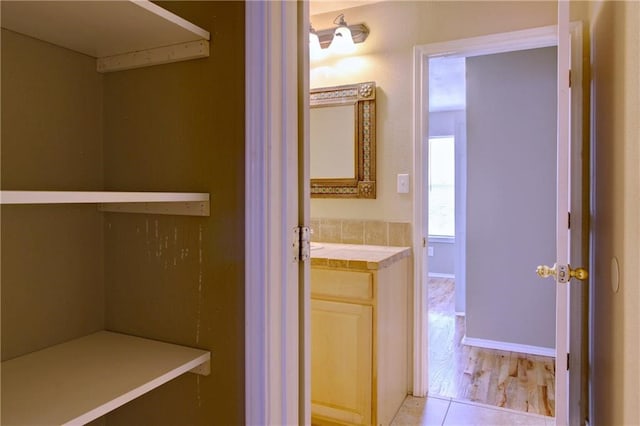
<point>80,380</point>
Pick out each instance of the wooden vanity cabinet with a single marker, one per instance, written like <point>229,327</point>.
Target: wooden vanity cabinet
<point>341,361</point>
<point>359,336</point>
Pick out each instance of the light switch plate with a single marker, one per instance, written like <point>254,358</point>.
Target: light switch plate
<point>403,183</point>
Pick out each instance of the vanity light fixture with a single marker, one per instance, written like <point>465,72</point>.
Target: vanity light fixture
<point>341,39</point>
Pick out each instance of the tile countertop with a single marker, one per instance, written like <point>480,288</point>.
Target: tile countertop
<point>355,256</point>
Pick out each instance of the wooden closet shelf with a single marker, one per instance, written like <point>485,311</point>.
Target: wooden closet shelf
<point>80,380</point>
<point>120,34</point>
<point>75,197</point>
<point>173,203</point>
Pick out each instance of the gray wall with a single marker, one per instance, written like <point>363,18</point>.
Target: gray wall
<point>511,134</point>
<point>443,261</point>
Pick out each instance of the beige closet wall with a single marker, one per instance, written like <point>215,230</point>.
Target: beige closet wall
<point>174,127</point>
<point>615,47</point>
<point>387,57</point>
<point>52,277</point>
<point>181,279</point>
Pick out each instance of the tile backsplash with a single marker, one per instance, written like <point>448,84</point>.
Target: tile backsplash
<point>354,231</point>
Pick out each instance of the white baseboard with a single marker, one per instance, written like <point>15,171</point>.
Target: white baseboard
<point>439,275</point>
<point>506,346</point>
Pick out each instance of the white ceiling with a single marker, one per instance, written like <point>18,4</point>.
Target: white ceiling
<point>322,6</point>
<point>447,84</point>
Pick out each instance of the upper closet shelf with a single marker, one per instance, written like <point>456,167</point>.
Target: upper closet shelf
<point>177,203</point>
<point>121,34</point>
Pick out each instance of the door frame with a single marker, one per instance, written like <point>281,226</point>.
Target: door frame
<point>276,342</point>
<point>494,43</point>
<point>276,345</point>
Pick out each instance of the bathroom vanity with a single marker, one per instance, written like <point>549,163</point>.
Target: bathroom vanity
<point>359,332</point>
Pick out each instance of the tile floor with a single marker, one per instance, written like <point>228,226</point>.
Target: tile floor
<point>451,412</point>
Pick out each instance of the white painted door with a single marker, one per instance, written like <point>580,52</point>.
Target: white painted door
<point>569,403</point>
<point>562,211</point>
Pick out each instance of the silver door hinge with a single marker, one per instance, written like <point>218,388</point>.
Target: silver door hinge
<point>301,243</point>
<point>569,78</point>
<point>567,361</point>
<point>569,220</point>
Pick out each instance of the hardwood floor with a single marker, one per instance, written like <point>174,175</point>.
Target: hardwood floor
<point>511,380</point>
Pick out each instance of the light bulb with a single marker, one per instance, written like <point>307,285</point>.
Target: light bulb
<point>342,41</point>
<point>315,50</point>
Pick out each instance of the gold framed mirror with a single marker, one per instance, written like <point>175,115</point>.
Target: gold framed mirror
<point>343,141</point>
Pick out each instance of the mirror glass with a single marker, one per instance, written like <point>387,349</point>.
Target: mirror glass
<point>333,142</point>
<point>343,141</point>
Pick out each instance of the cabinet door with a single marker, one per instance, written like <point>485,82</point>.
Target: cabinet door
<point>341,361</point>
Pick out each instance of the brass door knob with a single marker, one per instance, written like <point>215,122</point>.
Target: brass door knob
<point>579,273</point>
<point>544,271</point>
<point>563,272</point>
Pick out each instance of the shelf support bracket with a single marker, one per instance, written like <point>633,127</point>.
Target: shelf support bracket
<point>185,208</point>
<point>160,55</point>
<point>203,369</point>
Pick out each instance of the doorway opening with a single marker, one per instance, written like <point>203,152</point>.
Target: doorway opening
<point>479,160</point>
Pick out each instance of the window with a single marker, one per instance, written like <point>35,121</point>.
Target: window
<point>442,186</point>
